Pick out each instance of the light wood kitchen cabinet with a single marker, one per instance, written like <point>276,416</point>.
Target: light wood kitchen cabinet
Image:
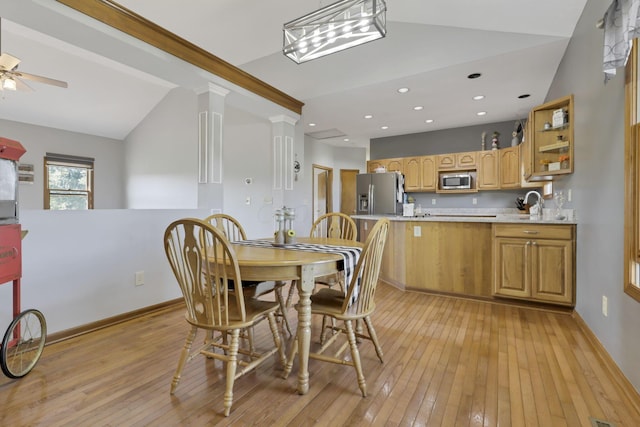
<point>509,161</point>
<point>534,262</point>
<point>394,165</point>
<point>551,140</point>
<point>446,257</point>
<point>488,170</point>
<point>429,173</point>
<point>420,173</point>
<point>457,161</point>
<point>390,165</point>
<point>412,174</point>
<point>392,270</point>
<point>372,165</point>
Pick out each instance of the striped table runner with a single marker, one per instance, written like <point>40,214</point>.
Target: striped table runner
<point>349,255</point>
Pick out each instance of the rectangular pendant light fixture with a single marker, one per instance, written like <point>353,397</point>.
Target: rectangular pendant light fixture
<point>339,26</point>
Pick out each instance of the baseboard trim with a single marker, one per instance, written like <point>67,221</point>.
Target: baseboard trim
<point>624,385</point>
<point>110,321</point>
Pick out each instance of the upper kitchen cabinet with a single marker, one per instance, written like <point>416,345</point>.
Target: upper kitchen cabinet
<point>460,161</point>
<point>551,144</point>
<point>488,170</point>
<point>509,161</point>
<point>420,173</point>
<point>390,165</point>
<point>395,165</point>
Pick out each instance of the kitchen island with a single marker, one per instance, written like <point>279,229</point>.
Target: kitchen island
<point>480,253</point>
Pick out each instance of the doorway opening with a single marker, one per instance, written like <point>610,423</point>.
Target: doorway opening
<point>322,191</point>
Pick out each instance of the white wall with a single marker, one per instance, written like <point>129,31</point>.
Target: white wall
<point>161,155</point>
<point>78,266</point>
<point>336,158</point>
<point>38,140</point>
<point>248,153</point>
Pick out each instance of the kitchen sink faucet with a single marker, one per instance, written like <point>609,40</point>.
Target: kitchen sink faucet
<point>535,211</point>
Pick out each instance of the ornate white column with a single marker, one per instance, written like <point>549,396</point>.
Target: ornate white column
<point>211,105</point>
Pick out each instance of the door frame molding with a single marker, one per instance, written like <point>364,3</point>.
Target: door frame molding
<point>329,171</point>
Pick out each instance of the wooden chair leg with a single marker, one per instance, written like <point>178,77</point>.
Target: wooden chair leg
<point>283,310</point>
<point>292,289</point>
<point>374,337</point>
<point>355,356</point>
<point>292,356</point>
<point>276,338</point>
<point>232,364</point>
<point>183,358</point>
<point>250,338</point>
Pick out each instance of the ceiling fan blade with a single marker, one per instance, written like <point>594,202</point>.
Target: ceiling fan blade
<point>8,62</point>
<point>23,86</point>
<point>47,80</point>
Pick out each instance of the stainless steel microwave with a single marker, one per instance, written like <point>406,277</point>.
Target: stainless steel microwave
<point>456,181</point>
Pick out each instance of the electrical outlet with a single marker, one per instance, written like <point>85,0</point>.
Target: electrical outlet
<point>568,195</point>
<point>605,308</point>
<point>417,231</point>
<point>474,201</point>
<point>139,278</point>
<point>433,201</point>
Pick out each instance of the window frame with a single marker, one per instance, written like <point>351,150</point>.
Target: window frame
<point>70,161</point>
<point>632,178</point>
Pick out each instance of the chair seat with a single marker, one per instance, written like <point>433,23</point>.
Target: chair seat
<point>329,301</point>
<point>254,308</point>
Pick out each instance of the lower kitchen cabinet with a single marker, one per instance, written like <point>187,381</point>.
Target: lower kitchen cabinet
<point>534,262</point>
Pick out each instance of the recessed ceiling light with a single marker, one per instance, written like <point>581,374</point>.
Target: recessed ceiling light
<point>478,97</point>
<point>368,116</point>
<point>524,95</point>
<point>418,107</point>
<point>346,140</point>
<point>384,127</point>
<point>403,90</point>
<point>481,113</point>
<point>312,124</point>
<point>474,75</point>
<point>429,121</point>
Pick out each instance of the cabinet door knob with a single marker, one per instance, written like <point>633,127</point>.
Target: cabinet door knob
<point>529,243</point>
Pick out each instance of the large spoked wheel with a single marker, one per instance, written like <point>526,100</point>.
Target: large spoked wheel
<point>23,343</point>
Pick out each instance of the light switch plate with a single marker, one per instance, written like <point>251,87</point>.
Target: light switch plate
<point>417,231</point>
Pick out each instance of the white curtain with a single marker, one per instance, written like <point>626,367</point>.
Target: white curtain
<point>621,25</point>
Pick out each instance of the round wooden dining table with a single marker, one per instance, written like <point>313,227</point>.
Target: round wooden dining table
<point>262,263</point>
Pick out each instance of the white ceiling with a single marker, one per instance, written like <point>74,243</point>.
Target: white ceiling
<point>430,47</point>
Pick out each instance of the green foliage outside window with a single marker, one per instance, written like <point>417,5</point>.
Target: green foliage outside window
<point>68,186</point>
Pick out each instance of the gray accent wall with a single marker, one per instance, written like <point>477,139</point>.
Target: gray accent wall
<point>444,141</point>
<point>598,191</point>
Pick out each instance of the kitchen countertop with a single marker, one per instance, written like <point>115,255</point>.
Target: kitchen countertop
<point>480,215</point>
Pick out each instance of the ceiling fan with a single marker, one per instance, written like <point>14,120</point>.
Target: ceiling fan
<point>12,79</point>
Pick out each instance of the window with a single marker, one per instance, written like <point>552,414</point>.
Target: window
<point>632,178</point>
<point>68,182</point>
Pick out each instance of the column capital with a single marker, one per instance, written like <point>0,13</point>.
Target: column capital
<point>282,118</point>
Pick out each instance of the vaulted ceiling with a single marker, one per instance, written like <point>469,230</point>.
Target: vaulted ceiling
<point>431,47</point>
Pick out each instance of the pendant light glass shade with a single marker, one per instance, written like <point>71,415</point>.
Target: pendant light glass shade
<point>339,26</point>
<point>9,84</point>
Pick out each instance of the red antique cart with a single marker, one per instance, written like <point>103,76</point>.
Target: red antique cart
<point>24,340</point>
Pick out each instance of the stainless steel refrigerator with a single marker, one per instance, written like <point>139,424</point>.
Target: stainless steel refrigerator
<point>379,193</point>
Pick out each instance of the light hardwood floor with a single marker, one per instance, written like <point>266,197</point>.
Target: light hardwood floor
<point>448,361</point>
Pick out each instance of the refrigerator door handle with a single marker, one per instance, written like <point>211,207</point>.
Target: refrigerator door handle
<point>371,201</point>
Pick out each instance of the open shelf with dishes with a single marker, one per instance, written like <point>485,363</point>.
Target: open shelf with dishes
<point>551,150</point>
